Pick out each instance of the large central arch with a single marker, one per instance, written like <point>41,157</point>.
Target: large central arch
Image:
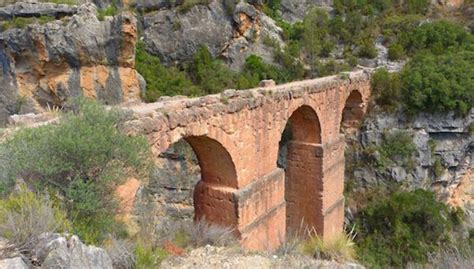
<point>303,187</point>
<point>214,194</point>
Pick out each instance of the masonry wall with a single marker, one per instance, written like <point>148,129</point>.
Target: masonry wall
<point>248,125</point>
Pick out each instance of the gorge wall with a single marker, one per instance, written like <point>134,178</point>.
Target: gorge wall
<point>76,54</point>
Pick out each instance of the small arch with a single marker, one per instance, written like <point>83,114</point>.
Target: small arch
<point>353,111</point>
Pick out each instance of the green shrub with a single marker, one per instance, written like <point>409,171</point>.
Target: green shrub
<point>111,10</point>
<point>438,37</point>
<point>398,147</point>
<point>21,22</point>
<point>271,8</point>
<point>84,157</point>
<point>65,2</point>
<point>148,257</point>
<point>187,5</point>
<point>410,224</point>
<point>367,50</point>
<point>161,81</point>
<point>439,83</point>
<point>316,40</point>
<point>386,89</point>
<point>209,73</point>
<point>24,216</point>
<point>416,6</point>
<point>395,52</point>
<point>330,67</point>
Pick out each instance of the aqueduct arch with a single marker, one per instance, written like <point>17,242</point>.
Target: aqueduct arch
<point>214,197</point>
<point>353,111</point>
<point>303,171</point>
<point>236,135</point>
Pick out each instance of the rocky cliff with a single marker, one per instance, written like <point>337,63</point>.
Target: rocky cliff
<point>229,32</point>
<point>74,54</point>
<point>441,158</point>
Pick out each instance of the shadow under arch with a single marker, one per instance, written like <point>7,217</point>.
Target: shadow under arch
<point>353,111</point>
<point>214,198</point>
<point>302,162</point>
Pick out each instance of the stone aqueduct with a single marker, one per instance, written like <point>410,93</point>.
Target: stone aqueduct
<point>236,136</point>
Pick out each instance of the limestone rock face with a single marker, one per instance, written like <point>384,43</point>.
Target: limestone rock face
<point>47,64</point>
<point>175,35</point>
<point>439,139</point>
<point>29,9</point>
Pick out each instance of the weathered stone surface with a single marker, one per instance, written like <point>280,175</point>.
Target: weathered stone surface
<point>13,263</point>
<point>56,251</point>
<point>176,36</point>
<point>47,64</point>
<point>36,9</point>
<point>443,143</point>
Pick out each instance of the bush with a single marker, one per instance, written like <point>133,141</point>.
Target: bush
<point>21,22</point>
<point>398,147</point>
<point>149,257</point>
<point>210,74</point>
<point>24,216</point>
<point>316,40</point>
<point>410,224</point>
<point>340,249</point>
<point>161,81</point>
<point>395,52</point>
<point>65,2</point>
<point>367,50</point>
<point>84,157</point>
<point>439,83</point>
<point>187,5</point>
<point>437,37</point>
<point>111,10</point>
<point>386,89</point>
<point>330,67</point>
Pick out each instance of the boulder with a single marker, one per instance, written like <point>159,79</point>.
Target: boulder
<point>13,263</point>
<point>57,251</point>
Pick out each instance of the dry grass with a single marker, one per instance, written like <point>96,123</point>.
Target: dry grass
<point>121,252</point>
<point>340,249</point>
<point>24,217</point>
<point>202,233</point>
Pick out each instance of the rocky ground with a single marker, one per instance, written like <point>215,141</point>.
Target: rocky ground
<point>59,251</point>
<point>227,258</point>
